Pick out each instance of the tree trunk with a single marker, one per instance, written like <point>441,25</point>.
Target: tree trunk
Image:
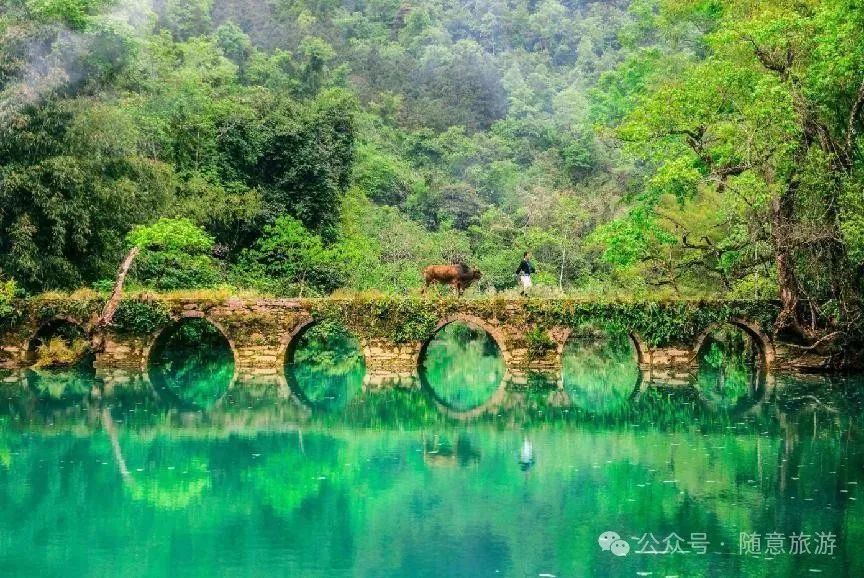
<point>114,301</point>
<point>782,211</point>
<point>563,258</point>
<point>788,284</point>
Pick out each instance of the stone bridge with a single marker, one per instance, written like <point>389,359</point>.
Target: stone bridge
<point>393,331</point>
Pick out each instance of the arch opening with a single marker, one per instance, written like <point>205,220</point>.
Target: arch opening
<point>600,370</point>
<point>58,343</point>
<point>325,366</point>
<point>192,363</point>
<point>60,361</point>
<point>731,364</point>
<point>462,365</point>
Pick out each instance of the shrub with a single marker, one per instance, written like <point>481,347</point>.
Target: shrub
<point>171,235</point>
<point>539,342</point>
<point>140,317</point>
<point>8,314</point>
<point>7,294</point>
<point>175,254</point>
<point>288,259</point>
<point>60,352</point>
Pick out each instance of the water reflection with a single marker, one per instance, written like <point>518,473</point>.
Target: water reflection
<point>526,455</point>
<point>600,371</point>
<point>325,366</point>
<point>70,384</point>
<point>838,394</point>
<point>730,369</point>
<point>441,451</point>
<point>272,491</point>
<point>192,363</point>
<point>389,483</point>
<point>463,366</point>
<point>669,407</point>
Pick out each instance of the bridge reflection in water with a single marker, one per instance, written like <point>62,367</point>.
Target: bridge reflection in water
<point>463,377</point>
<point>191,364</point>
<point>464,473</point>
<point>389,482</point>
<point>60,396</point>
<point>324,366</point>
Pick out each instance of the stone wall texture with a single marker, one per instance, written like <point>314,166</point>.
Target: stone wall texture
<point>260,332</point>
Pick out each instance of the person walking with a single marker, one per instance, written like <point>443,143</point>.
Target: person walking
<point>524,272</point>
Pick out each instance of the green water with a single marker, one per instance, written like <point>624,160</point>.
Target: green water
<point>344,482</point>
<point>600,372</point>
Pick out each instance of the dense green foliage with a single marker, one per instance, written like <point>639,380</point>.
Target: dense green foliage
<point>175,254</point>
<point>140,317</point>
<point>8,312</point>
<point>288,258</point>
<point>638,147</point>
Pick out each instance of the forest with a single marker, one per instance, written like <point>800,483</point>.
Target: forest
<point>640,149</point>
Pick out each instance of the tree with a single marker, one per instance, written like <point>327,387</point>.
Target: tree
<point>290,259</point>
<point>175,254</point>
<point>70,193</point>
<point>756,122</point>
<point>305,161</point>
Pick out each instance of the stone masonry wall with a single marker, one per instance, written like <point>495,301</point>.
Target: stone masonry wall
<point>261,330</point>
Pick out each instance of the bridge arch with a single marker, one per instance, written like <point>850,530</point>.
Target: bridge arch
<point>496,395</point>
<point>764,344</point>
<point>176,321</point>
<point>288,347</point>
<point>640,350</point>
<point>472,321</point>
<point>289,341</point>
<point>44,329</point>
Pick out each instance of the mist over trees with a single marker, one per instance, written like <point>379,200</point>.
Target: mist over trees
<point>643,148</point>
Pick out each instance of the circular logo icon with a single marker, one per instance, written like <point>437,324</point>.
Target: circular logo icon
<point>620,547</point>
<point>606,538</point>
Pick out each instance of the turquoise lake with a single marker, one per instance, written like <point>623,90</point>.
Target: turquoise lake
<point>463,475</point>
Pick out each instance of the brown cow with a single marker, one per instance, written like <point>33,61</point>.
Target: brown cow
<point>459,276</point>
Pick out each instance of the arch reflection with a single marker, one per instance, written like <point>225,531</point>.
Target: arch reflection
<point>61,361</point>
<point>324,366</point>
<point>192,363</point>
<point>462,366</point>
<point>730,374</point>
<point>600,371</point>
